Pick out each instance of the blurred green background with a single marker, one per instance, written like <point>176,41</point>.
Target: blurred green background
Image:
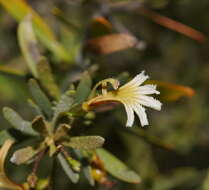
<point>173,151</point>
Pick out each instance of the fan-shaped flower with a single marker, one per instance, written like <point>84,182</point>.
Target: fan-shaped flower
<point>131,95</point>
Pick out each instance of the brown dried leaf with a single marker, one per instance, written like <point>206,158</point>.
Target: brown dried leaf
<point>172,92</point>
<point>111,43</point>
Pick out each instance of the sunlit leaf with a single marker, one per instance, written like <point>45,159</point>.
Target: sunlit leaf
<point>11,71</point>
<point>46,78</point>
<point>73,176</point>
<point>111,43</point>
<point>172,92</point>
<point>42,184</point>
<point>19,9</point>
<point>23,155</point>
<point>40,98</point>
<point>116,167</point>
<point>75,164</point>
<point>17,122</point>
<point>85,142</point>
<point>5,182</point>
<point>61,131</point>
<point>51,144</point>
<point>83,89</point>
<point>28,44</point>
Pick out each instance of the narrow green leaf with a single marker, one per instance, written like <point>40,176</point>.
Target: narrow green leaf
<point>46,78</point>
<point>71,34</point>
<point>34,106</point>
<point>23,155</point>
<point>62,106</point>
<point>40,98</point>
<point>28,44</point>
<point>86,142</point>
<point>19,9</point>
<point>17,122</point>
<point>72,41</point>
<point>83,89</point>
<point>88,175</point>
<point>4,135</point>
<point>74,177</point>
<point>116,167</point>
<point>11,71</point>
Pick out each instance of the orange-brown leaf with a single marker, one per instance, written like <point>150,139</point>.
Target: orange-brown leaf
<point>174,25</point>
<point>172,92</point>
<point>111,43</point>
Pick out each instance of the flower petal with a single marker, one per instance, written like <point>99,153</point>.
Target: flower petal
<point>137,80</point>
<point>130,115</point>
<point>140,111</point>
<point>148,89</point>
<point>150,102</point>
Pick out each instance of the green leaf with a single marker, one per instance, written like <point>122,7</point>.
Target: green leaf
<point>116,167</point>
<point>40,98</point>
<point>34,106</point>
<point>88,174</point>
<point>83,89</point>
<point>12,72</point>
<point>72,41</point>
<point>74,177</point>
<point>71,34</point>
<point>86,142</point>
<point>23,155</point>
<point>28,44</point>
<point>75,164</point>
<point>46,78</point>
<point>4,135</point>
<point>43,183</point>
<point>63,106</point>
<point>19,9</point>
<point>17,122</point>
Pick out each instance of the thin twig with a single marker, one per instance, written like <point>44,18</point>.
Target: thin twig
<point>37,161</point>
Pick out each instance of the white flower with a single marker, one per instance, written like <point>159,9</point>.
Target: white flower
<point>132,96</point>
